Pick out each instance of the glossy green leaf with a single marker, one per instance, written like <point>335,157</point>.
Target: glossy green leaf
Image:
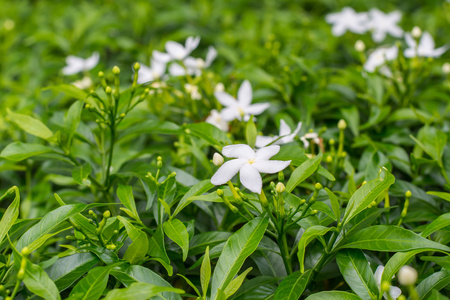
<point>198,189</point>
<point>72,120</point>
<point>442,195</point>
<point>156,249</point>
<point>38,282</point>
<point>137,251</point>
<point>139,290</point>
<point>205,272</point>
<point>335,206</point>
<point>292,287</point>
<point>210,133</point>
<point>91,287</point>
<point>390,239</point>
<point>125,194</point>
<point>356,271</point>
<point>303,171</point>
<point>70,90</point>
<point>19,151</point>
<point>333,295</point>
<point>308,236</point>
<point>236,283</point>
<point>176,231</point>
<point>11,213</point>
<point>441,222</point>
<point>150,126</point>
<point>238,247</point>
<point>398,260</point>
<point>443,261</point>
<point>367,193</point>
<point>31,125</point>
<point>436,281</point>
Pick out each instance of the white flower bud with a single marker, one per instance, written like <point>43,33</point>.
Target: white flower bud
<point>416,32</point>
<point>446,68</point>
<point>342,124</point>
<point>407,275</point>
<point>219,87</point>
<point>280,187</point>
<point>360,46</point>
<point>218,159</point>
<point>200,63</point>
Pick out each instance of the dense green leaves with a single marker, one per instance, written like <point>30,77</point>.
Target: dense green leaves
<point>11,213</point>
<point>177,232</point>
<point>292,287</point>
<point>139,290</point>
<point>92,286</point>
<point>308,236</point>
<point>303,171</point>
<point>19,151</point>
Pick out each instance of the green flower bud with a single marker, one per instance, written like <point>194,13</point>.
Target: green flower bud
<point>318,186</point>
<point>136,66</point>
<point>329,159</point>
<point>219,193</point>
<point>281,176</point>
<point>107,214</point>
<point>342,124</point>
<point>20,274</point>
<point>25,251</point>
<point>116,70</point>
<point>385,286</point>
<point>280,187</point>
<point>101,74</point>
<point>108,90</point>
<point>408,194</point>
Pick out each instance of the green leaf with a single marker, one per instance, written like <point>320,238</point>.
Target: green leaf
<point>19,151</point>
<point>398,260</point>
<point>238,247</point>
<point>210,133</point>
<point>441,222</point>
<point>435,281</point>
<point>250,133</point>
<point>367,193</point>
<point>49,223</point>
<point>31,125</point>
<point>91,287</point>
<point>72,120</point>
<point>66,270</point>
<point>443,261</point>
<point>125,194</point>
<point>308,236</point>
<point>70,90</point>
<point>150,126</point>
<point>156,249</point>
<point>139,290</point>
<point>335,206</point>
<point>176,231</point>
<point>11,213</point>
<point>333,295</point>
<point>356,271</point>
<point>80,173</point>
<point>205,272</point>
<point>351,115</point>
<point>432,141</point>
<point>38,282</point>
<point>235,284</point>
<point>292,287</point>
<point>303,171</point>
<point>442,195</point>
<point>132,231</point>
<point>390,239</point>
<point>137,250</point>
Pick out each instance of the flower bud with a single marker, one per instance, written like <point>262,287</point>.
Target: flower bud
<point>108,90</point>
<point>219,193</point>
<point>446,68</point>
<point>136,66</point>
<point>342,124</point>
<point>101,74</point>
<point>116,70</point>
<point>25,251</point>
<point>9,24</point>
<point>318,186</point>
<point>331,141</point>
<point>280,176</point>
<point>219,87</point>
<point>111,247</point>
<point>20,274</point>
<point>416,32</point>
<point>385,286</point>
<point>407,275</point>
<point>218,159</point>
<point>280,188</point>
<point>329,159</point>
<point>408,194</point>
<point>401,297</point>
<point>159,162</point>
<point>107,214</point>
<point>360,46</point>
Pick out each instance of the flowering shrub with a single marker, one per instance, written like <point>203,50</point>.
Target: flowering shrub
<point>224,150</point>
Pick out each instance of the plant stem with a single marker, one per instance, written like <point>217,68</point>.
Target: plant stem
<point>284,249</point>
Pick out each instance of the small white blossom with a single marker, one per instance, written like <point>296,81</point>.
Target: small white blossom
<point>379,57</point>
<point>241,108</point>
<point>394,291</point>
<point>382,24</point>
<point>407,275</point>
<point>286,136</point>
<point>219,87</point>
<point>193,66</point>
<point>416,32</point>
<point>154,72</point>
<point>249,164</point>
<point>360,46</point>
<point>347,19</point>
<point>84,83</point>
<point>176,51</point>
<point>310,136</point>
<point>77,64</point>
<point>218,159</point>
<point>425,47</point>
<point>192,90</point>
<point>215,118</point>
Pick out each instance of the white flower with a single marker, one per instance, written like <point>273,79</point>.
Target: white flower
<point>215,118</point>
<point>394,291</point>
<point>407,275</point>
<point>360,46</point>
<point>176,51</point>
<point>193,66</point>
<point>249,164</point>
<point>382,24</point>
<point>241,108</point>
<point>77,64</point>
<point>219,87</point>
<point>286,136</point>
<point>193,91</point>
<point>446,68</point>
<point>416,32</point>
<point>425,47</point>
<point>84,83</point>
<point>155,72</point>
<point>310,136</point>
<point>349,20</point>
<point>378,58</point>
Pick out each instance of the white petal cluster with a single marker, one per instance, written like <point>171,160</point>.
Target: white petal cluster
<point>425,48</point>
<point>394,292</point>
<point>379,23</point>
<point>379,57</point>
<point>215,118</point>
<point>286,136</point>
<point>77,64</point>
<point>249,164</point>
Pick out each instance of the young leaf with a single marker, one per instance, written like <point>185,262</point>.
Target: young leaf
<point>292,287</point>
<point>356,271</point>
<point>238,247</point>
<point>303,171</point>
<point>205,272</point>
<point>176,231</point>
<point>443,261</point>
<point>11,213</point>
<point>137,250</point>
<point>157,250</point>
<point>31,125</point>
<point>435,281</point>
<point>91,287</point>
<point>72,120</point>
<point>398,260</point>
<point>333,295</point>
<point>38,282</point>
<point>308,236</point>
<point>139,290</point>
<point>442,195</point>
<point>80,173</point>
<point>236,283</point>
<point>441,222</point>
<point>19,151</point>
<point>335,206</point>
<point>125,194</point>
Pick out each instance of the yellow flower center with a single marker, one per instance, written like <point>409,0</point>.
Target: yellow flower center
<point>251,161</point>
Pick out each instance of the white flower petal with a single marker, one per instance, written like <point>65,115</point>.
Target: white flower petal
<point>378,274</point>
<point>144,74</point>
<point>262,141</point>
<point>265,153</point>
<point>161,56</point>
<point>210,56</point>
<point>176,69</point>
<point>229,114</point>
<point>395,292</point>
<point>92,61</point>
<point>271,166</point>
<point>158,67</point>
<point>239,151</point>
<point>284,128</point>
<point>227,171</point>
<point>72,69</point>
<point>256,109</point>
<point>176,50</point>
<point>225,99</point>
<point>191,44</point>
<point>250,178</point>
<point>245,94</point>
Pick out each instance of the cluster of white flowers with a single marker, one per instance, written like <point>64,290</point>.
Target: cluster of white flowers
<point>381,24</point>
<point>240,108</point>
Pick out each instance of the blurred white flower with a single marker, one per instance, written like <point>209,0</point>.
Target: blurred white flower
<point>416,32</point>
<point>84,83</point>
<point>425,47</point>
<point>360,46</point>
<point>219,87</point>
<point>250,164</point>
<point>347,19</point>
<point>192,90</point>
<point>77,64</point>
<point>176,51</point>
<point>286,136</point>
<point>446,68</point>
<point>194,66</point>
<point>407,275</point>
<point>310,136</point>
<point>154,72</point>
<point>241,108</point>
<point>378,58</point>
<point>215,118</point>
<point>382,24</point>
<point>394,291</point>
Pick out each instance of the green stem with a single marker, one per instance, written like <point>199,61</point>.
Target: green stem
<point>284,249</point>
